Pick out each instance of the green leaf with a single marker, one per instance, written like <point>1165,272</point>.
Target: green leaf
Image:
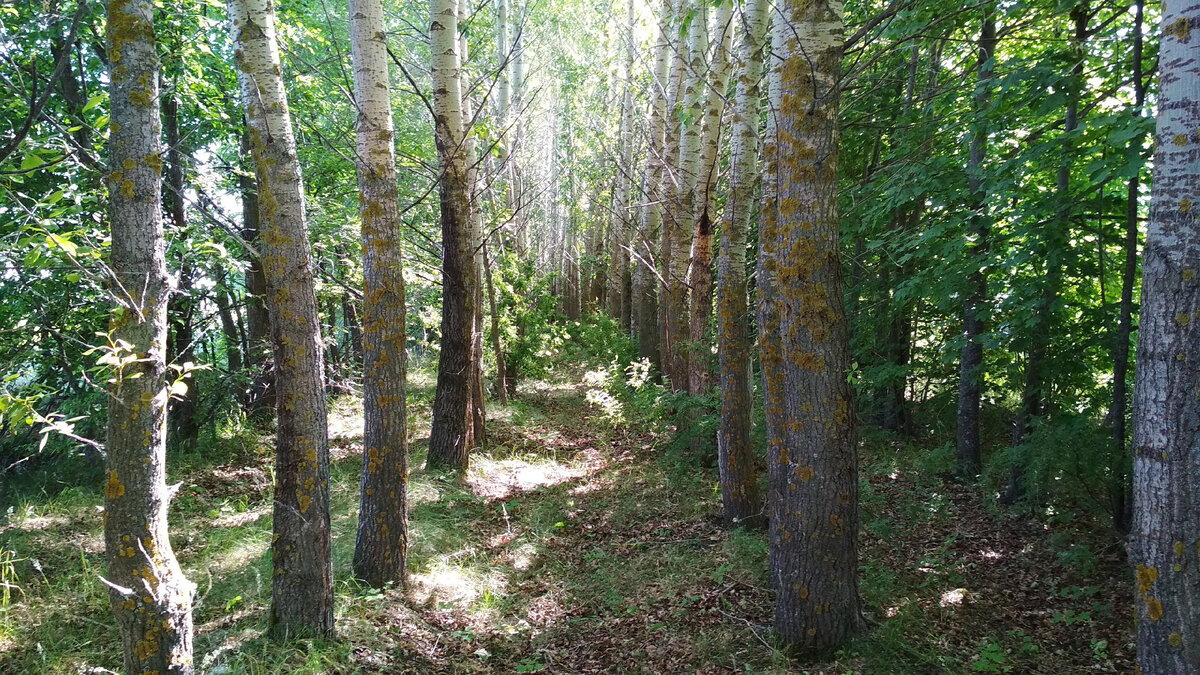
<point>53,240</point>
<point>94,101</point>
<point>31,161</point>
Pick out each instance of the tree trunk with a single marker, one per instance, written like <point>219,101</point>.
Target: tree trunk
<point>381,543</point>
<point>1166,462</point>
<point>229,329</point>
<point>302,569</point>
<point>805,352</point>
<point>735,451</point>
<point>1055,241</point>
<point>618,295</point>
<point>149,594</point>
<point>449,436</point>
<point>497,349</point>
<point>700,268</point>
<point>970,372</point>
<point>181,411</point>
<point>258,320</point>
<point>1120,503</point>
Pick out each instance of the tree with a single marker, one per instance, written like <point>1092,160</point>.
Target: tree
<point>450,434</point>
<point>804,344</point>
<point>380,550</point>
<point>150,596</point>
<point>1166,509</point>
<point>302,567</point>
<point>735,457</point>
<point>970,378</point>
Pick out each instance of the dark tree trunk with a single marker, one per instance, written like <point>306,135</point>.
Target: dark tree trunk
<point>181,412</point>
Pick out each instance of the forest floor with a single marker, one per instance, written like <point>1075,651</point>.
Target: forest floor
<point>575,546</point>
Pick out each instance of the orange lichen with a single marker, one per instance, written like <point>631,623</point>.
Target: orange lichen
<point>113,488</point>
<point>1154,608</point>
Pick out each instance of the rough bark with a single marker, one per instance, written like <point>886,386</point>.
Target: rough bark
<point>302,569</point>
<point>970,371</point>
<point>149,594</point>
<point>673,297</point>
<point>804,342</point>
<point>735,453</point>
<point>619,275</point>
<point>497,348</point>
<point>381,544</point>
<point>1166,462</point>
<point>449,437</point>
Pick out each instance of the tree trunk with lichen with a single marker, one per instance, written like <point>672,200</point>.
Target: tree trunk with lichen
<point>700,268</point>
<point>735,451</point>
<point>1166,463</point>
<point>381,544</point>
<point>150,596</point>
<point>451,430</point>
<point>302,569</point>
<point>804,341</point>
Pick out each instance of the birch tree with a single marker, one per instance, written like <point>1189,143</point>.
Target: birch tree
<point>803,337</point>
<point>302,567</point>
<point>1166,462</point>
<point>380,549</point>
<point>735,456</point>
<point>150,596</point>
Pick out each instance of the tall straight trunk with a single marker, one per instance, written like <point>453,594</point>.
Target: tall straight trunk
<point>475,409</point>
<point>381,543</point>
<point>229,328</point>
<point>181,310</point>
<point>258,320</point>
<point>1166,461</point>
<point>149,594</point>
<point>679,230</point>
<point>735,451</point>
<point>1055,242</point>
<point>970,372</point>
<point>645,281</point>
<point>618,296</point>
<point>812,445</point>
<point>497,347</point>
<point>1120,503</point>
<point>700,268</point>
<point>669,328</point>
<point>302,567</point>
<point>450,434</point>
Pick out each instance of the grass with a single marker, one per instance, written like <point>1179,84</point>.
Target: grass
<point>572,545</point>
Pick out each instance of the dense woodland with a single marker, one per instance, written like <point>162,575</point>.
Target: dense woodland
<point>599,336</point>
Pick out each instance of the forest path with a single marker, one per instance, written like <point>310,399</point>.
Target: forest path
<point>576,545</point>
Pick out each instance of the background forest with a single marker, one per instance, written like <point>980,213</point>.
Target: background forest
<point>599,289</point>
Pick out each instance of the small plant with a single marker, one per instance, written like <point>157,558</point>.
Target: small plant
<point>1100,649</point>
<point>529,665</point>
<point>990,659</point>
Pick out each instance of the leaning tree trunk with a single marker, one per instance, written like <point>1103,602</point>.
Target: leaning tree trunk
<point>149,594</point>
<point>449,436</point>
<point>302,568</point>
<point>1166,462</point>
<point>700,268</point>
<point>805,354</point>
<point>380,549</point>
<point>970,374</point>
<point>735,451</point>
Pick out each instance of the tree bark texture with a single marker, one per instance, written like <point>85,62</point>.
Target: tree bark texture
<point>302,568</point>
<point>381,544</point>
<point>740,495</point>
<point>1165,549</point>
<point>804,342</point>
<point>449,437</point>
<point>150,596</point>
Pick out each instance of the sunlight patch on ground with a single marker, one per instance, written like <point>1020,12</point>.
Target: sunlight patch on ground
<point>240,556</point>
<point>954,597</point>
<point>36,523</point>
<point>449,584</point>
<point>498,479</point>
<point>244,518</point>
<point>345,418</point>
